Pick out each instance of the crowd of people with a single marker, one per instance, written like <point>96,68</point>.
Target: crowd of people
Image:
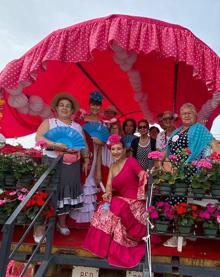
<point>121,163</point>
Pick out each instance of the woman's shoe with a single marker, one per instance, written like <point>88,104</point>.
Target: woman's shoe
<point>39,231</point>
<point>63,230</point>
<point>173,242</point>
<point>37,239</point>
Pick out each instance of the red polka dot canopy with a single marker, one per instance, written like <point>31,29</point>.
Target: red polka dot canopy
<point>141,66</point>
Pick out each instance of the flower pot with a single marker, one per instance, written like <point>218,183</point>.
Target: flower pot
<point>25,181</point>
<point>22,219</point>
<point>165,188</point>
<point>10,181</point>
<point>215,192</point>
<point>2,182</point>
<point>180,191</point>
<point>185,229</point>
<point>162,226</point>
<point>210,231</point>
<point>198,193</point>
<point>3,218</point>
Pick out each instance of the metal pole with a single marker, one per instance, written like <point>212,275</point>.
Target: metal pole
<point>175,85</point>
<point>97,86</point>
<point>5,248</point>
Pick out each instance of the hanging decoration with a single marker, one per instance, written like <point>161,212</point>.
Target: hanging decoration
<point>2,103</point>
<point>126,60</point>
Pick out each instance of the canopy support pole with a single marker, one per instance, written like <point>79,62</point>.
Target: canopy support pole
<point>97,86</point>
<point>176,71</point>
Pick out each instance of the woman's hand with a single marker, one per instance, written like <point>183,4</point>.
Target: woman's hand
<point>107,197</point>
<point>97,141</point>
<point>98,177</point>
<point>142,174</point>
<point>61,147</point>
<point>86,166</point>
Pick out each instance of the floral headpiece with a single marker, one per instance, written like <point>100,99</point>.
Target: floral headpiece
<point>113,139</point>
<point>96,97</point>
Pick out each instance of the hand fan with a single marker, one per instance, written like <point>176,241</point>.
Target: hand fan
<point>127,139</point>
<point>69,136</point>
<point>97,130</point>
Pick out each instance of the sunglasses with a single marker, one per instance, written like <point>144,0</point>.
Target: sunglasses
<point>142,127</point>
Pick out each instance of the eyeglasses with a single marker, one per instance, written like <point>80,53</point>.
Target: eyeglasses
<point>142,127</point>
<point>168,118</point>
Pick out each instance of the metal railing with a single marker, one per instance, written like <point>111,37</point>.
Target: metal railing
<point>8,230</point>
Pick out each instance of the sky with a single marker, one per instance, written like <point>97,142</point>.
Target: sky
<point>24,23</point>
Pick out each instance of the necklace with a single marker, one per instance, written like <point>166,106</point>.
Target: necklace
<point>144,141</point>
<point>56,122</point>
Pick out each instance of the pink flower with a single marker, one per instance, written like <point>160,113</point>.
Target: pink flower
<point>173,157</point>
<point>21,197</point>
<point>188,151</point>
<point>2,202</point>
<point>210,208</point>
<point>42,143</point>
<point>12,193</point>
<point>204,163</point>
<point>204,214</point>
<point>157,155</point>
<point>154,215</point>
<point>24,190</point>
<point>113,139</point>
<point>218,218</point>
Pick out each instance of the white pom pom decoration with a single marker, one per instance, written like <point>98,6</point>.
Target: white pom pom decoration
<point>46,112</point>
<point>36,103</point>
<point>17,101</point>
<point>24,110</point>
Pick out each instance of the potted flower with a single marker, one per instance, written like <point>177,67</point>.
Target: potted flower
<point>185,216</point>
<point>200,181</point>
<point>180,168</point>
<point>23,168</point>
<point>6,177</point>
<point>161,214</point>
<point>38,172</point>
<point>214,175</point>
<point>210,217</point>
<point>9,200</point>
<point>34,205</point>
<point>162,178</point>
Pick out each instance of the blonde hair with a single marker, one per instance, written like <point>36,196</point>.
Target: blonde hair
<point>189,106</point>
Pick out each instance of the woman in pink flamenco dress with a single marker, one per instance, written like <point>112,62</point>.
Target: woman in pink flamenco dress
<point>117,234</point>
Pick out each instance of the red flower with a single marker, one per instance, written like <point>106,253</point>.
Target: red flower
<point>181,210</point>
<point>188,151</point>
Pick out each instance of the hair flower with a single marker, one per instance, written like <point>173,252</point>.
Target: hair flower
<point>96,96</point>
<point>113,139</point>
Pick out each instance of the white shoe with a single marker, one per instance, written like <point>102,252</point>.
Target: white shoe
<point>173,241</point>
<point>37,239</point>
<point>63,230</point>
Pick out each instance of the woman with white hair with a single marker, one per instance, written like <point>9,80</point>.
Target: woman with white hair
<point>196,139</point>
